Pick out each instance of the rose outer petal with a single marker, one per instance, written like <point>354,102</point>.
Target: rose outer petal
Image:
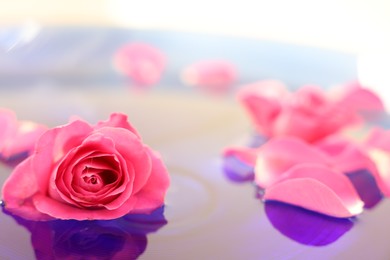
<point>280,154</point>
<point>118,120</point>
<point>319,189</point>
<point>18,190</point>
<point>152,194</point>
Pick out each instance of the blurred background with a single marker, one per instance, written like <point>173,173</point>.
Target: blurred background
<point>74,43</point>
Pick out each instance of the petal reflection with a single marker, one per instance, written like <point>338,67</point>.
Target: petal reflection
<point>123,238</point>
<point>366,186</point>
<point>304,226</point>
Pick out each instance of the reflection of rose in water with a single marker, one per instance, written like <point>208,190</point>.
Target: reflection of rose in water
<point>304,226</point>
<point>123,238</point>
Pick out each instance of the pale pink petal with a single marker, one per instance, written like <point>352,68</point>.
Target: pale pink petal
<point>141,62</point>
<point>216,76</point>
<point>151,196</point>
<point>263,103</point>
<point>319,189</point>
<point>347,156</point>
<point>280,154</point>
<point>361,99</point>
<point>23,139</point>
<point>18,191</point>
<point>379,138</point>
<point>118,120</point>
<point>8,125</point>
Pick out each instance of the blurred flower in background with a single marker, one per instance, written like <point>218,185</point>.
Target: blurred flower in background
<point>141,62</point>
<point>211,76</point>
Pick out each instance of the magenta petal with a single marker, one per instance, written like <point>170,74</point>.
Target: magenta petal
<point>317,188</point>
<point>280,154</point>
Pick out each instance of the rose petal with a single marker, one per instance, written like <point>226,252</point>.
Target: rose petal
<point>279,154</point>
<point>379,138</point>
<point>142,62</point>
<point>215,76</point>
<point>60,210</point>
<point>317,188</point>
<point>151,196</point>
<point>361,99</point>
<point>118,120</point>
<point>52,145</point>
<point>262,102</point>
<point>131,148</point>
<point>18,190</point>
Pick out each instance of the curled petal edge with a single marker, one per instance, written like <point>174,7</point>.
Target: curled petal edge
<point>304,186</point>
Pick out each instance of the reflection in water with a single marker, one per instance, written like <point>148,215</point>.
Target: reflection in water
<point>304,226</point>
<point>366,187</point>
<point>123,238</point>
<point>236,170</point>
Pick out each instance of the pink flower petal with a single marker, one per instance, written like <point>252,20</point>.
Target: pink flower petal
<point>52,145</point>
<point>118,120</point>
<point>141,62</point>
<point>379,138</point>
<point>215,76</point>
<point>152,194</point>
<point>262,101</point>
<point>17,138</point>
<point>361,99</point>
<point>308,113</point>
<point>18,190</point>
<point>319,189</point>
<point>134,151</point>
<point>279,154</point>
<point>56,209</point>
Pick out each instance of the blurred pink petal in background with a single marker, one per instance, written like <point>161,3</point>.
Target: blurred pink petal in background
<point>141,62</point>
<point>309,113</point>
<point>211,76</point>
<point>17,138</point>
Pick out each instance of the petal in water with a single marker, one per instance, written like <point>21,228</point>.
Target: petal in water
<point>280,154</point>
<point>304,226</point>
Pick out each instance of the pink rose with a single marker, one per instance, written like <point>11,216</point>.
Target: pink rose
<point>309,113</point>
<point>141,62</point>
<point>212,76</point>
<point>17,138</point>
<point>82,171</point>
